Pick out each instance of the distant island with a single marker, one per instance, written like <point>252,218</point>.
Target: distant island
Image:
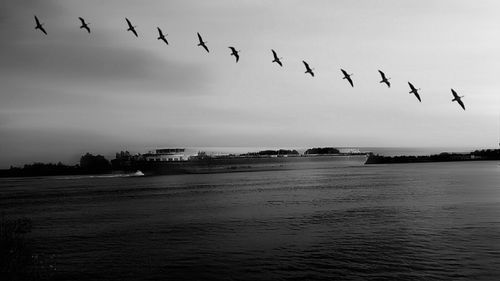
<point>485,154</point>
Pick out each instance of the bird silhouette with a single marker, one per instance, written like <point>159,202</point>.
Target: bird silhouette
<point>347,76</point>
<point>84,24</point>
<point>457,98</point>
<point>384,79</point>
<point>235,53</point>
<point>202,44</point>
<point>308,69</point>
<point>131,27</point>
<point>39,26</point>
<point>414,91</point>
<point>276,59</point>
<point>161,36</point>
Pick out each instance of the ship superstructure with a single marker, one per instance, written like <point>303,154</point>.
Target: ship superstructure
<point>166,155</point>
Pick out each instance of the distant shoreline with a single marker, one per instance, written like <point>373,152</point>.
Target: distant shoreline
<point>234,163</point>
<point>477,155</point>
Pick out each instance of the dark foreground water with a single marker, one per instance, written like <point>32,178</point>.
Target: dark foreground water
<point>328,220</point>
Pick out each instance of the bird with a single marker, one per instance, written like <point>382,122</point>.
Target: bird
<point>276,59</point>
<point>202,44</point>
<point>347,76</point>
<point>414,91</point>
<point>84,24</point>
<point>457,98</point>
<point>39,26</point>
<point>308,69</point>
<point>384,79</point>
<point>161,36</point>
<point>235,53</point>
<point>131,27</point>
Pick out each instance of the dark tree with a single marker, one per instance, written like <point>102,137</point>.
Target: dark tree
<point>94,164</point>
<point>322,150</point>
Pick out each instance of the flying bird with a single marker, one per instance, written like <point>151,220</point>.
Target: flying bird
<point>347,76</point>
<point>161,36</point>
<point>202,43</point>
<point>457,98</point>
<point>384,79</point>
<point>40,26</point>
<point>235,53</point>
<point>414,91</point>
<point>131,27</point>
<point>276,59</point>
<point>84,24</point>
<point>308,69</point>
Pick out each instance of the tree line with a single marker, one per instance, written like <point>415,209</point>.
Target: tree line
<point>89,164</point>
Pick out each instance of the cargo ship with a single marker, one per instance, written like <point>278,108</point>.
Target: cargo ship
<point>172,161</point>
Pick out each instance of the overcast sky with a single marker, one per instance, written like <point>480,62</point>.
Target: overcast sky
<point>70,92</point>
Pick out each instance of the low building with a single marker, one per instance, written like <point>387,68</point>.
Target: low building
<point>166,154</point>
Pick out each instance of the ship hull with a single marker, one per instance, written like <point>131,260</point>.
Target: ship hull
<point>228,165</point>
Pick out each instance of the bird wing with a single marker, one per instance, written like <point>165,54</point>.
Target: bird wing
<point>205,47</point>
<point>461,103</point>
<point>135,32</point>
<point>455,95</point>
<point>306,65</point>
<point>43,30</point>
<point>382,74</point>
<point>82,20</point>
<point>411,86</point>
<point>350,81</point>
<point>87,28</point>
<point>159,32</point>
<point>37,21</point>
<point>344,72</point>
<point>199,38</point>
<point>418,96</point>
<point>237,57</point>
<point>274,54</point>
<point>279,62</point>
<point>388,83</point>
<point>233,50</point>
<point>129,23</point>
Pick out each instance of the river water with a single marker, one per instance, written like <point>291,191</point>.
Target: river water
<point>335,219</point>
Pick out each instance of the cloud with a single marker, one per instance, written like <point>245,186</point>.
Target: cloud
<point>94,64</point>
<point>70,58</point>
